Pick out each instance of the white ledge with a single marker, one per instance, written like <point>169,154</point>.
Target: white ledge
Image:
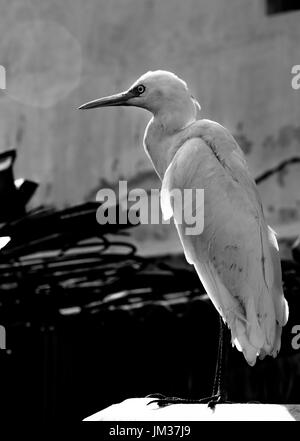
<point>136,409</point>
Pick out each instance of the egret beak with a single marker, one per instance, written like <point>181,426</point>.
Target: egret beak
<point>120,99</point>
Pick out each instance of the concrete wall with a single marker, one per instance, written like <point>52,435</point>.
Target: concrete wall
<point>59,54</point>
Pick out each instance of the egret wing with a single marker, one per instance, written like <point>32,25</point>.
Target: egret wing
<point>235,256</point>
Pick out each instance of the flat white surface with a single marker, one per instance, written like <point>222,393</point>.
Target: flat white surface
<point>136,409</point>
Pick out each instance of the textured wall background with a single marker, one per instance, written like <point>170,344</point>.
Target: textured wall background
<point>59,54</point>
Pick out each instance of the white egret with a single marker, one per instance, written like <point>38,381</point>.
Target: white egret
<point>236,256</point>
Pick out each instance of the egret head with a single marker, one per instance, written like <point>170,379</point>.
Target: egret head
<point>159,91</point>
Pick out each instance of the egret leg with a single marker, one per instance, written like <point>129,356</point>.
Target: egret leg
<point>219,394</point>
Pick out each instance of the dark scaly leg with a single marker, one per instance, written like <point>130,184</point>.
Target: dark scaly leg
<point>219,393</point>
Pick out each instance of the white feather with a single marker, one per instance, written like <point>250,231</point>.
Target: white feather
<point>236,256</point>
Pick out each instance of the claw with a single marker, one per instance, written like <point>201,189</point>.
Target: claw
<point>160,402</point>
<point>163,401</point>
<point>155,396</point>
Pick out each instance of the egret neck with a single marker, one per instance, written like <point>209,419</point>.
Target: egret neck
<point>170,120</point>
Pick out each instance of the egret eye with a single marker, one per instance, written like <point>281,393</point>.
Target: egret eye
<point>141,89</point>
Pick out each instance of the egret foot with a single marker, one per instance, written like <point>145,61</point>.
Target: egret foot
<point>163,401</point>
